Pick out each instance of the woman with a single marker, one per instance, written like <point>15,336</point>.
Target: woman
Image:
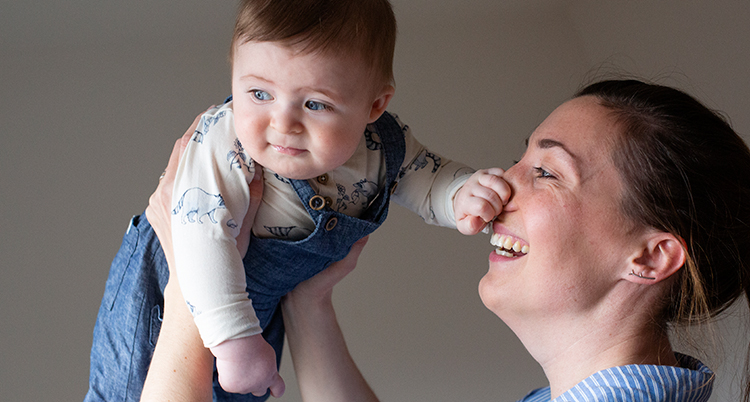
<point>631,214</point>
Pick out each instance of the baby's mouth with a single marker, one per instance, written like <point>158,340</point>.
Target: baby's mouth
<point>508,246</point>
<point>287,150</point>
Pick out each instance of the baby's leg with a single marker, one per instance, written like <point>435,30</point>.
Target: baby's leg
<point>129,318</point>
<point>129,321</point>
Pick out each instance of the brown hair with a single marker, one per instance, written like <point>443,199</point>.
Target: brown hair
<point>364,28</point>
<point>686,172</point>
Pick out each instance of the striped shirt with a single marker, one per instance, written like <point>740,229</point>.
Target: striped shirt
<point>692,381</point>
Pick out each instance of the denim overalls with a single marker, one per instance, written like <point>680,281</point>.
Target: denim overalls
<point>129,318</point>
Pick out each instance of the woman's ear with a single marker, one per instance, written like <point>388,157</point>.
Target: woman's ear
<point>662,255</point>
<point>381,102</point>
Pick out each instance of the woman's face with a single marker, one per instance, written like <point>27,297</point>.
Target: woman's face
<point>565,206</point>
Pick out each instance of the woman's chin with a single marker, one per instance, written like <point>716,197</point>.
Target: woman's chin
<point>491,292</point>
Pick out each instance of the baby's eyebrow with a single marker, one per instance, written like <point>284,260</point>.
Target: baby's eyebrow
<point>257,77</point>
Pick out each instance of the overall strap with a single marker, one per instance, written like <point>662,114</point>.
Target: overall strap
<point>388,134</point>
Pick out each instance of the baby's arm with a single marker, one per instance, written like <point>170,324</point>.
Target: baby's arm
<point>248,364</point>
<point>480,200</point>
<point>210,205</point>
<point>181,367</point>
<point>447,193</point>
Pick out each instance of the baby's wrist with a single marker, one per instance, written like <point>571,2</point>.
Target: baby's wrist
<point>232,349</point>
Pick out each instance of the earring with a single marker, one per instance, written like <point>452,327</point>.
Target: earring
<point>632,272</point>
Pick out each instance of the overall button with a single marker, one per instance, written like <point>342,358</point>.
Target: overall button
<point>329,201</point>
<point>331,223</point>
<point>317,202</point>
<point>323,179</point>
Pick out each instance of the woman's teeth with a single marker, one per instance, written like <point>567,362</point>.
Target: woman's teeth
<point>508,246</point>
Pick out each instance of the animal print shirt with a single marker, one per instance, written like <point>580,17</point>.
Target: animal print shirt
<point>211,184</point>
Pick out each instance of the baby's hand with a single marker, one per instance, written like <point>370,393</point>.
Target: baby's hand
<point>480,200</point>
<point>248,365</point>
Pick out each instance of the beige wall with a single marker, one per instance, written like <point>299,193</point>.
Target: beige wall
<point>93,95</point>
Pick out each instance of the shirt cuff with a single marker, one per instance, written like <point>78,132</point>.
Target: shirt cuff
<point>234,321</point>
<point>450,195</point>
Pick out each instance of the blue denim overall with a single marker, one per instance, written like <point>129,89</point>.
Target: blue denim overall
<point>129,318</point>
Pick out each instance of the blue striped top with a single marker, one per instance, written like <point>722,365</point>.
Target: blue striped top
<point>692,381</point>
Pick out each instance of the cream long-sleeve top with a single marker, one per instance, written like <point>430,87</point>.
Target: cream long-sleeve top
<point>211,198</point>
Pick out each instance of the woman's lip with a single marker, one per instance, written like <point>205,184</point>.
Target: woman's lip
<point>495,257</point>
<point>287,150</point>
<point>498,228</point>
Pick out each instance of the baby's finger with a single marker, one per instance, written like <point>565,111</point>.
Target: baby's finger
<point>277,387</point>
<point>493,200</point>
<point>493,180</point>
<point>488,209</point>
<point>495,171</point>
<point>470,225</point>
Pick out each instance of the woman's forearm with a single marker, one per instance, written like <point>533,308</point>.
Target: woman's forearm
<point>324,368</point>
<point>181,368</point>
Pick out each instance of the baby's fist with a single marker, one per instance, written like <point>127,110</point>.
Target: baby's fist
<point>248,365</point>
<point>480,200</point>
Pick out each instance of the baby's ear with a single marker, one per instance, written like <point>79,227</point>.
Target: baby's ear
<point>662,255</point>
<point>381,102</point>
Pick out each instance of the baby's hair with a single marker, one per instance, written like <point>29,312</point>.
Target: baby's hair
<point>363,28</point>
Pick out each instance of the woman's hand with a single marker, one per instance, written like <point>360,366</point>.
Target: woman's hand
<point>325,370</point>
<point>319,288</point>
<point>159,207</point>
<point>159,203</point>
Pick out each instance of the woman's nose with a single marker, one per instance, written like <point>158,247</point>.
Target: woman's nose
<point>511,177</point>
<point>285,120</point>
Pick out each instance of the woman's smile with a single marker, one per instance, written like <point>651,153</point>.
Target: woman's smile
<point>509,245</point>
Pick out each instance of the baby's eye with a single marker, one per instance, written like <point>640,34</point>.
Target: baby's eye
<point>543,174</point>
<point>261,95</point>
<point>313,105</point>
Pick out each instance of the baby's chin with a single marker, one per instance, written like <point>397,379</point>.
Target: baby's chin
<point>293,173</point>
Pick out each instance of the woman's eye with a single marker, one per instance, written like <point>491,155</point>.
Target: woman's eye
<point>313,105</point>
<point>261,95</point>
<point>541,173</point>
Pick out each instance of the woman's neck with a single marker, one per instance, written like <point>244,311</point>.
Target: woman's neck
<point>572,349</point>
<point>589,355</point>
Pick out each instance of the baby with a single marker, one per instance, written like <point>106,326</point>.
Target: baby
<point>311,81</point>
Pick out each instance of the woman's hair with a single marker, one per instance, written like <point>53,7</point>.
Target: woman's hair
<point>363,28</point>
<point>685,172</point>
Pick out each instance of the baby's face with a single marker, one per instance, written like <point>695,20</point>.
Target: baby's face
<point>299,114</point>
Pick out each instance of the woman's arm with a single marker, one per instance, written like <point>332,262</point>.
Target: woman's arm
<point>181,368</point>
<point>325,370</point>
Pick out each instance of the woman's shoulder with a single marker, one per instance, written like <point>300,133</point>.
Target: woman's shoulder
<point>690,381</point>
<point>537,395</point>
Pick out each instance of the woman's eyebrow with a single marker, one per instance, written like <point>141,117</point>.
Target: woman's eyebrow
<point>546,143</point>
<point>559,148</point>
